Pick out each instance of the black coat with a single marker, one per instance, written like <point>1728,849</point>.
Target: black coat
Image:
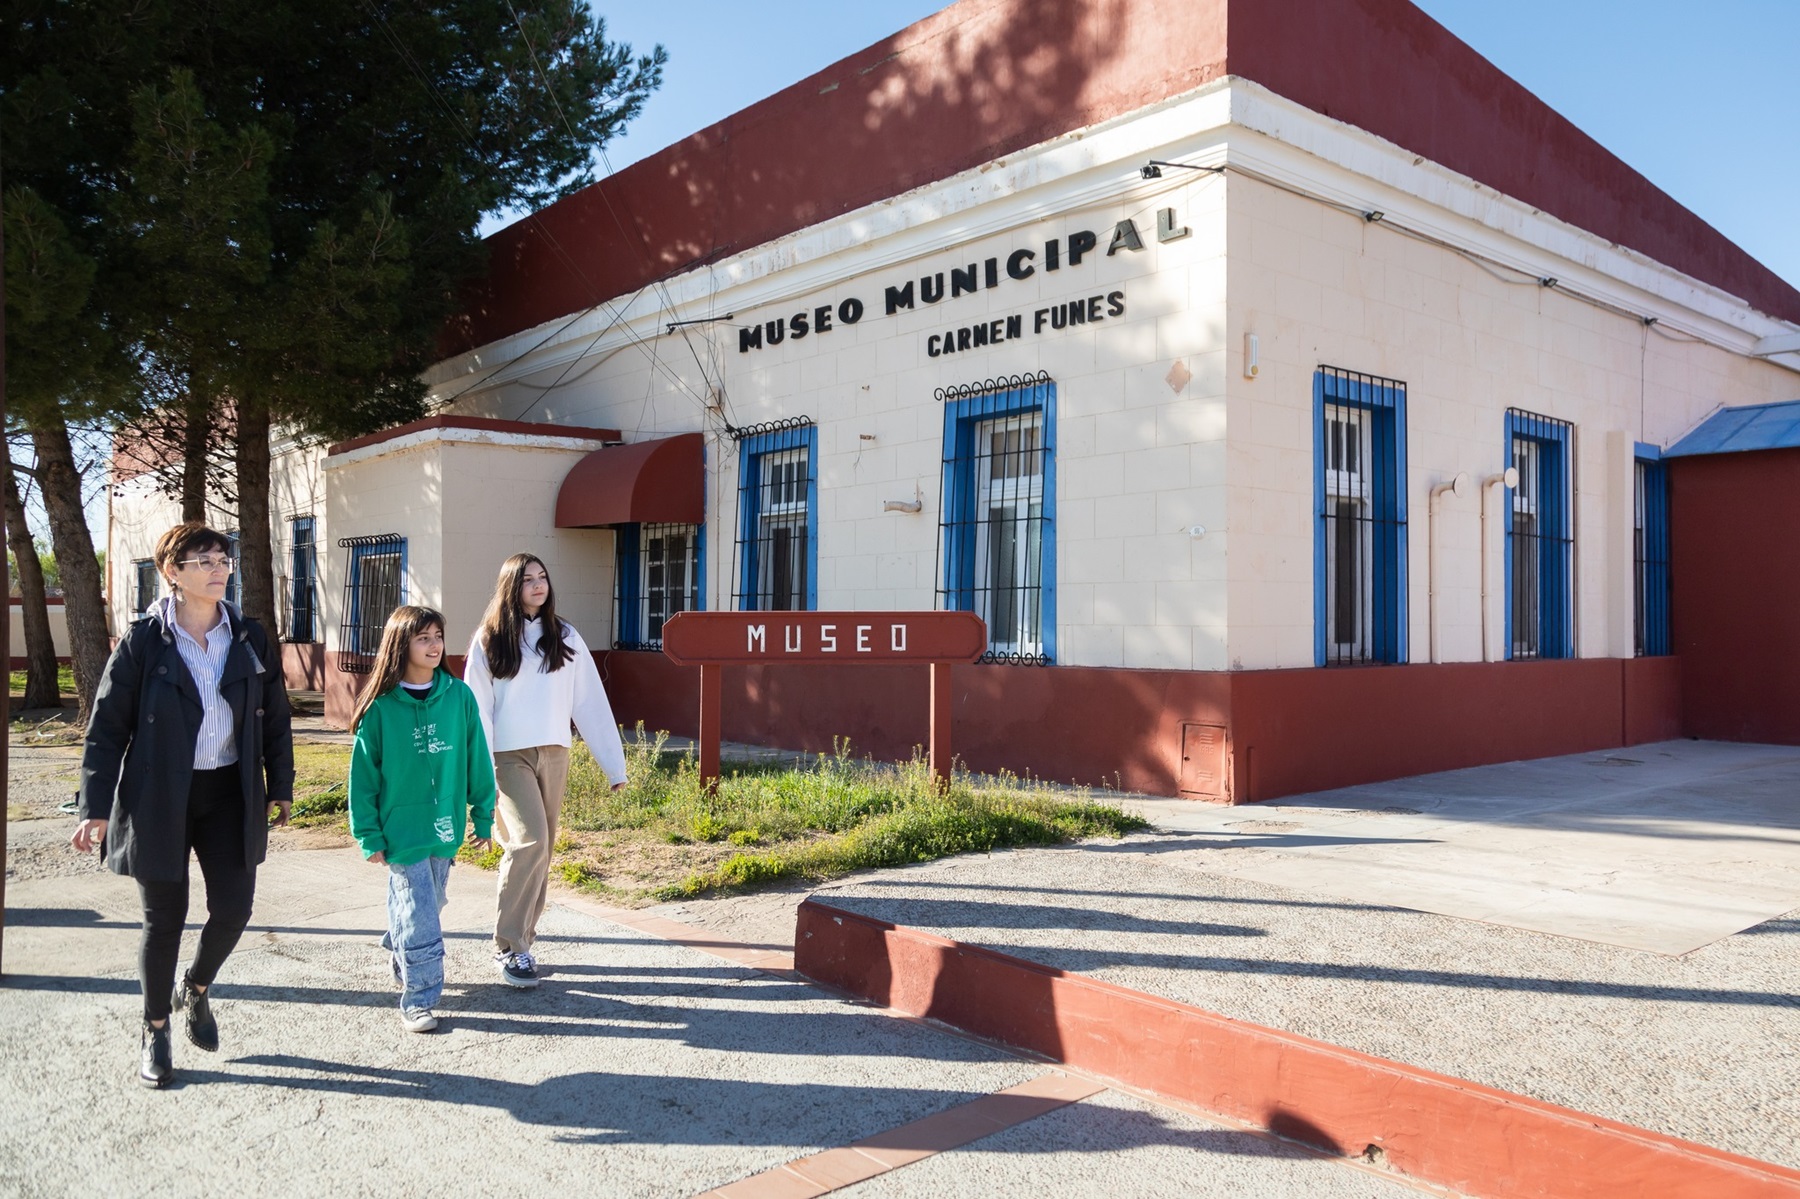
<point>139,759</point>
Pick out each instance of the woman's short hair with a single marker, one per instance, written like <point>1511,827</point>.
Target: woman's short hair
<point>183,542</point>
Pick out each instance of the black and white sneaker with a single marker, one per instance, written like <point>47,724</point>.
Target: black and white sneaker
<point>517,969</point>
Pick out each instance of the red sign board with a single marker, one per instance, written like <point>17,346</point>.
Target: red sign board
<point>712,640</point>
<point>844,638</point>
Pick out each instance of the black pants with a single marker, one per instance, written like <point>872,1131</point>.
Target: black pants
<point>215,832</point>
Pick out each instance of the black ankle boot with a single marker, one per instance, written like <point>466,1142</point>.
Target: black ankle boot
<point>202,1029</point>
<point>156,1066</point>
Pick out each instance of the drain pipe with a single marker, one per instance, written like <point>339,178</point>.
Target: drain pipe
<point>1509,478</point>
<point>1456,486</point>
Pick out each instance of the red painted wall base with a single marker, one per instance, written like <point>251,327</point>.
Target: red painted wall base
<point>1279,732</point>
<point>1441,1130</point>
<point>1270,733</point>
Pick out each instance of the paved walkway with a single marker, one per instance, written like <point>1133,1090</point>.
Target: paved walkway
<point>1459,922</point>
<point>643,1065</point>
<point>666,1054</point>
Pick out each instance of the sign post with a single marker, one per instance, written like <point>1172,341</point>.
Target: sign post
<point>714,640</point>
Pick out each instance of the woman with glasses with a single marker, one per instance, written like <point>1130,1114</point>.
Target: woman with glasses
<point>189,752</point>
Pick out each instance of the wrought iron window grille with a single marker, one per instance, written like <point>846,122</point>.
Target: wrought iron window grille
<point>1540,537</point>
<point>1360,497</point>
<point>996,543</point>
<point>658,575</point>
<point>373,587</point>
<point>1652,583</point>
<point>774,554</point>
<point>302,582</point>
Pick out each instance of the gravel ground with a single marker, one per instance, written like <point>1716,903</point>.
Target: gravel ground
<point>1704,1046</point>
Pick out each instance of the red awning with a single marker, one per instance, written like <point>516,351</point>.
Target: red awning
<point>648,481</point>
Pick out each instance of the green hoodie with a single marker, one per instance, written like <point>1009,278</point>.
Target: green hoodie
<point>420,769</point>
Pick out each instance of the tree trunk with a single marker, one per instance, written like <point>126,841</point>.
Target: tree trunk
<point>83,600</point>
<point>196,437</point>
<point>256,580</point>
<point>41,689</point>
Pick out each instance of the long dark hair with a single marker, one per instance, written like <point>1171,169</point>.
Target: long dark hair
<point>406,623</point>
<point>503,625</point>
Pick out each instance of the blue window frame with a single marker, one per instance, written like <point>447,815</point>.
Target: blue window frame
<point>998,528</point>
<point>1359,527</point>
<point>374,585</point>
<point>1540,538</point>
<point>1653,635</point>
<point>303,578</point>
<point>144,595</point>
<point>661,571</point>
<point>232,591</point>
<point>778,521</point>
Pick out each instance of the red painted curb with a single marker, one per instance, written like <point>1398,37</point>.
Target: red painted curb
<point>1431,1127</point>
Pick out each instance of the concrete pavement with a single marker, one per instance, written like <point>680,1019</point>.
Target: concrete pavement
<point>641,1066</point>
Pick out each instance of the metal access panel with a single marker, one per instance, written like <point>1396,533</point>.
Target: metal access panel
<point>1205,761</point>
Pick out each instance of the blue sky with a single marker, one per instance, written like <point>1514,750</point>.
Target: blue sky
<point>1704,100</point>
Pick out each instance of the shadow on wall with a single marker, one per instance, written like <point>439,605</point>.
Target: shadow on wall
<point>959,89</point>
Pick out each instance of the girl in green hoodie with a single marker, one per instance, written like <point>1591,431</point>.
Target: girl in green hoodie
<point>419,772</point>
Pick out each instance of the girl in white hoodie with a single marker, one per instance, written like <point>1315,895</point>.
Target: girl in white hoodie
<point>533,676</point>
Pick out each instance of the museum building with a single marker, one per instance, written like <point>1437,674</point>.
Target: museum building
<point>1298,399</point>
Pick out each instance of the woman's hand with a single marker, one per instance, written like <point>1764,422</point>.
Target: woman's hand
<point>378,858</point>
<point>88,835</point>
<point>278,813</point>
<point>481,844</point>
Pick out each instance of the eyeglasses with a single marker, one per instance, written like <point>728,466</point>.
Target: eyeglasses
<point>211,565</point>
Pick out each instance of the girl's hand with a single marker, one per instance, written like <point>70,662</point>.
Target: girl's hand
<point>378,858</point>
<point>88,835</point>
<point>481,844</point>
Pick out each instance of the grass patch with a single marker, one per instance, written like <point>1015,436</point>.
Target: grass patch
<point>321,786</point>
<point>665,837</point>
<point>65,680</point>
<point>767,824</point>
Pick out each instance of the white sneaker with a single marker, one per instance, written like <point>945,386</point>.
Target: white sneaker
<point>418,1019</point>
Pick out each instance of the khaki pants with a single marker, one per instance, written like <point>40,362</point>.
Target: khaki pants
<point>530,801</point>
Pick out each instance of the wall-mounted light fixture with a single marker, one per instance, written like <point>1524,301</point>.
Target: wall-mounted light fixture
<point>1153,168</point>
<point>1373,215</point>
<point>1547,281</point>
<point>1251,366</point>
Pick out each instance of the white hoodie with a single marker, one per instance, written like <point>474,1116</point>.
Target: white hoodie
<point>535,707</point>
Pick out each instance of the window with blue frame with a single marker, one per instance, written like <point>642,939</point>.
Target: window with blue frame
<point>374,585</point>
<point>232,590</point>
<point>1540,538</point>
<point>658,576</point>
<point>1359,532</point>
<point>144,594</point>
<point>997,530</point>
<point>1652,632</point>
<point>778,518</point>
<point>303,577</point>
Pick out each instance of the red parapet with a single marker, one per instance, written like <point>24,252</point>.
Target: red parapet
<point>849,638</point>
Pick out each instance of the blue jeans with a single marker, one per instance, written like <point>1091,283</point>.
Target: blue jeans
<point>416,895</point>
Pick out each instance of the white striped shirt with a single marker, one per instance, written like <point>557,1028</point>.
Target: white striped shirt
<point>216,745</point>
